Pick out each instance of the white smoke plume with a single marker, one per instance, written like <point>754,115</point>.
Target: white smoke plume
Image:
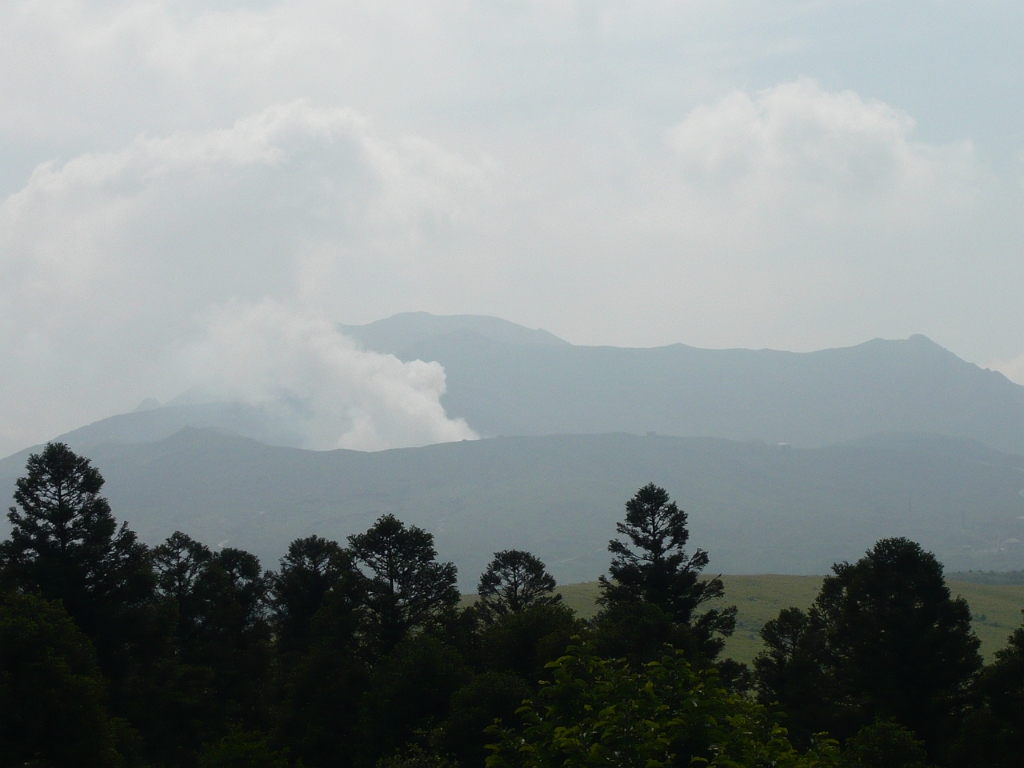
<point>301,372</point>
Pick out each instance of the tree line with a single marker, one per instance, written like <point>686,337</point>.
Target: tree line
<point>364,655</point>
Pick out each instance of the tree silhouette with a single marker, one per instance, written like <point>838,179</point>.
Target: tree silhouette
<point>310,571</point>
<point>657,572</point>
<point>51,692</point>
<point>884,639</point>
<point>66,545</point>
<point>993,734</point>
<point>514,581</point>
<point>405,587</point>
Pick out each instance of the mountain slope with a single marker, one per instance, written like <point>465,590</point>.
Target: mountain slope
<point>756,508</point>
<point>809,399</point>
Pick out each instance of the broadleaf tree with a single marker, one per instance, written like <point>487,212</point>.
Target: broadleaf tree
<point>884,639</point>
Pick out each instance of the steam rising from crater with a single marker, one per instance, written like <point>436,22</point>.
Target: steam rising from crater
<point>310,379</point>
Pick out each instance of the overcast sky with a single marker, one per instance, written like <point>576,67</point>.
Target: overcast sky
<point>178,176</point>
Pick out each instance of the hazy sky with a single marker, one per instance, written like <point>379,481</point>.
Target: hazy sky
<point>182,180</point>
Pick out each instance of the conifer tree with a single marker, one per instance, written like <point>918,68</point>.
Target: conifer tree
<point>66,545</point>
<point>514,581</point>
<point>313,571</point>
<point>655,588</point>
<point>405,587</point>
<point>52,696</point>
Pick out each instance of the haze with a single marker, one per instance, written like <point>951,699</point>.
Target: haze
<point>194,194</point>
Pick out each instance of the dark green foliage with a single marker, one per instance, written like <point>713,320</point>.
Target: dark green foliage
<point>320,707</point>
<point>884,744</point>
<point>241,749</point>
<point>884,639</point>
<point>488,697</point>
<point>323,689</point>
<point>598,712</point>
<point>65,545</point>
<point>179,564</point>
<point>232,635</point>
<point>790,671</point>
<point>310,571</point>
<point>1002,684</point>
<point>405,587</point>
<point>175,707</point>
<point>222,635</point>
<point>416,757</point>
<point>639,632</point>
<point>522,643</point>
<point>993,734</point>
<point>657,572</point>
<point>52,695</point>
<point>409,691</point>
<point>360,656</point>
<point>513,581</point>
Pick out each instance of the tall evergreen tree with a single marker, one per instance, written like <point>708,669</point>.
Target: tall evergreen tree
<point>655,583</point>
<point>66,545</point>
<point>310,572</point>
<point>220,600</point>
<point>514,581</point>
<point>405,586</point>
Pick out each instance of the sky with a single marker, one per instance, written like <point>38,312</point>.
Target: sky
<point>193,193</point>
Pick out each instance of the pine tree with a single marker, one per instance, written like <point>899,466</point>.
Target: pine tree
<point>66,545</point>
<point>514,581</point>
<point>405,587</point>
<point>312,572</point>
<point>52,695</point>
<point>655,584</point>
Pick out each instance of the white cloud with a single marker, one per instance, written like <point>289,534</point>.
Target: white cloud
<point>799,150</point>
<point>109,262</point>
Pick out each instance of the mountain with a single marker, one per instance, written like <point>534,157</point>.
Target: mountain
<point>505,379</point>
<point>757,508</point>
<point>399,332</point>
<point>151,423</point>
<point>806,399</point>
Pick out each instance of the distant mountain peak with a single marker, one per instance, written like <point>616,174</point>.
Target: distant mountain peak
<point>394,334</point>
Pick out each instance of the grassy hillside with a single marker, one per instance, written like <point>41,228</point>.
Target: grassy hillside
<point>996,608</point>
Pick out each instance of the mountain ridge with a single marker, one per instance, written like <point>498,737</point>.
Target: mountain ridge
<point>756,507</point>
<point>521,381</point>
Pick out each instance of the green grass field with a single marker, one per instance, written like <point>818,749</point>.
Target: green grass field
<point>996,608</point>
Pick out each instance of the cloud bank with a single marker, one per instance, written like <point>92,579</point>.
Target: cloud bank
<point>113,263</point>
